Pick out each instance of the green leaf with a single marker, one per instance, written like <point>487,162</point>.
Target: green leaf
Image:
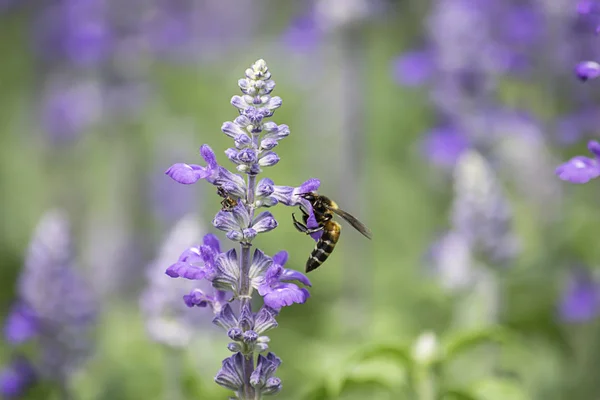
<point>319,392</point>
<point>498,389</point>
<point>458,394</point>
<point>466,341</point>
<point>398,354</point>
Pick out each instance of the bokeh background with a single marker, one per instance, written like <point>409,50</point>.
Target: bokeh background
<point>437,123</point>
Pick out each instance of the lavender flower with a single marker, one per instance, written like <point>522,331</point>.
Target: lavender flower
<point>481,213</point>
<point>581,169</point>
<point>241,272</point>
<point>55,305</point>
<point>580,301</point>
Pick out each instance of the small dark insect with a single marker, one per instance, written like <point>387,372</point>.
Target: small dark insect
<point>324,209</point>
<point>228,202</point>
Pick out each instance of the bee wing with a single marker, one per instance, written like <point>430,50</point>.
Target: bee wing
<point>359,226</point>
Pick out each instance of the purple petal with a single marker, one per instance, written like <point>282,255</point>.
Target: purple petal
<point>413,68</point>
<point>184,270</point>
<point>264,187</point>
<point>21,324</point>
<point>230,375</point>
<point>581,300</point>
<point>213,242</point>
<point>16,378</point>
<point>190,255</point>
<point>268,159</point>
<point>286,294</point>
<point>293,275</point>
<point>443,146</point>
<point>225,318</point>
<point>579,169</point>
<point>196,298</point>
<point>187,174</point>
<point>280,258</point>
<point>311,185</point>
<point>594,148</point>
<point>232,155</point>
<point>232,130</point>
<point>268,144</point>
<point>587,70</point>
<point>209,156</point>
<point>303,34</point>
<point>264,222</point>
<point>588,7</point>
<point>312,223</point>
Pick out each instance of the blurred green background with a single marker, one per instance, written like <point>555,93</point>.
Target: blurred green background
<point>353,127</point>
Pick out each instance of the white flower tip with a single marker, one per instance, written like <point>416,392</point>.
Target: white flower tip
<point>425,348</point>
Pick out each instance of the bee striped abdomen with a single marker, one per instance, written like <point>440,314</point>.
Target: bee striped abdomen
<point>325,245</point>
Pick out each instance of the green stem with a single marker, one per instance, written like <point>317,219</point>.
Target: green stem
<point>172,388</point>
<point>425,384</point>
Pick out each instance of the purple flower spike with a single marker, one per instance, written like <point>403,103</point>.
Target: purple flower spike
<point>188,174</point>
<point>244,272</point>
<point>21,324</point>
<point>586,70</point>
<point>276,291</point>
<point>581,299</point>
<point>581,169</point>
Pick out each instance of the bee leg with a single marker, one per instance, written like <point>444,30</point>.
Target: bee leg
<point>303,228</point>
<point>298,225</point>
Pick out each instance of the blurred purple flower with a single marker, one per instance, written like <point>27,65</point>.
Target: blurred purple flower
<point>168,320</point>
<point>580,301</point>
<point>69,109</point>
<point>481,212</point>
<point>581,169</point>
<point>443,146</point>
<point>87,34</point>
<point>302,34</point>
<point>413,68</point>
<point>21,324</point>
<point>586,70</point>
<point>62,302</point>
<point>16,378</point>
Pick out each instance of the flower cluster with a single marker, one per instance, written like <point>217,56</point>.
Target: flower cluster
<point>248,373</point>
<point>55,306</point>
<point>581,169</point>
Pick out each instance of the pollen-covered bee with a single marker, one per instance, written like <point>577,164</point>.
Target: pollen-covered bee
<point>228,202</point>
<point>324,209</point>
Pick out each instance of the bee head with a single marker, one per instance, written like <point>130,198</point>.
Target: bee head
<point>310,196</point>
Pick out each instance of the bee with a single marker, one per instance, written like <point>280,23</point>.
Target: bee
<point>228,202</point>
<point>324,210</point>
